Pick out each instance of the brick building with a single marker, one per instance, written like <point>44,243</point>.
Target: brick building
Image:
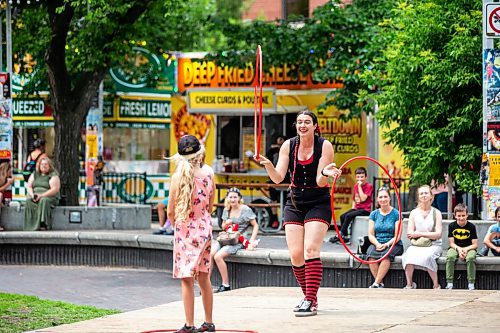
<point>273,9</point>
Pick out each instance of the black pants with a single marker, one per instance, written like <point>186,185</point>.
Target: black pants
<point>349,216</point>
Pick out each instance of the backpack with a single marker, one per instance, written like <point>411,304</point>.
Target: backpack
<point>30,167</point>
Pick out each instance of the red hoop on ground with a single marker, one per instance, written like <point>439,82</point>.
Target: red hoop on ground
<point>332,203</point>
<point>257,123</point>
<point>218,330</point>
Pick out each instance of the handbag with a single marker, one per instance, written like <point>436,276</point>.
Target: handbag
<point>363,245</point>
<point>228,238</point>
<point>421,242</point>
<point>424,241</point>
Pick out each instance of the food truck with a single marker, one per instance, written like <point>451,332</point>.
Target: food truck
<point>216,103</point>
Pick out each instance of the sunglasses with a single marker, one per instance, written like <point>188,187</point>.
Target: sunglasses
<point>234,190</point>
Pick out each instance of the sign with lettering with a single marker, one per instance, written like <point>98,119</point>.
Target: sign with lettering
<point>31,113</point>
<point>5,119</point>
<point>225,101</point>
<point>199,73</point>
<point>144,109</point>
<point>494,170</point>
<point>138,112</point>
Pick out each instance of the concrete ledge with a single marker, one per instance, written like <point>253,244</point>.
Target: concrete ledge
<point>262,267</point>
<point>87,239</point>
<point>113,217</point>
<point>261,256</point>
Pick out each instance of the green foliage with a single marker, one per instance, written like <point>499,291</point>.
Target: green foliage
<point>76,42</point>
<point>431,88</point>
<point>93,41</point>
<point>352,41</point>
<point>19,313</point>
<point>419,60</point>
<point>340,42</point>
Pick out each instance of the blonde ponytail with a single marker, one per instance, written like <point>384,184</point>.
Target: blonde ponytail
<point>185,167</point>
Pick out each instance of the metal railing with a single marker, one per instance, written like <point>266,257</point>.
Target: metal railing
<point>127,187</point>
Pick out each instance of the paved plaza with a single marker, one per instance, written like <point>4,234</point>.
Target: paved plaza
<point>108,288</point>
<point>150,301</point>
<point>269,309</point>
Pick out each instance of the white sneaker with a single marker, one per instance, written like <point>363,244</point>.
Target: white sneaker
<point>449,285</point>
<point>376,285</point>
<point>471,286</point>
<point>413,286</point>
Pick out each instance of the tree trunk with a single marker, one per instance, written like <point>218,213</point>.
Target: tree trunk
<point>66,151</point>
<point>71,95</point>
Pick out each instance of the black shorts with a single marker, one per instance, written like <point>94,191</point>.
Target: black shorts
<point>320,211</point>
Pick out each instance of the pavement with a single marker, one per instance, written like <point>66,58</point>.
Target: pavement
<point>269,309</point>
<point>151,301</point>
<point>122,289</point>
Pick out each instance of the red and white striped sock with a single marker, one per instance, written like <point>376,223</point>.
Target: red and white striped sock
<point>314,274</point>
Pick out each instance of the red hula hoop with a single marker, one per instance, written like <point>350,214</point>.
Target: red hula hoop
<point>257,127</point>
<point>218,330</point>
<point>332,204</point>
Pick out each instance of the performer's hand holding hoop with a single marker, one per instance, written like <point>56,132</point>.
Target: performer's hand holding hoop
<point>331,170</point>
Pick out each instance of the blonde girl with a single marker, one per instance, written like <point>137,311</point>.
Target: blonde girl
<point>189,207</point>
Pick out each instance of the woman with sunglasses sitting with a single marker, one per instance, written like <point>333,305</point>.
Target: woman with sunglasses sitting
<point>235,213</point>
<point>383,227</point>
<point>308,157</point>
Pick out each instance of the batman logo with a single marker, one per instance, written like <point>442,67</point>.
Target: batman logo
<point>461,234</point>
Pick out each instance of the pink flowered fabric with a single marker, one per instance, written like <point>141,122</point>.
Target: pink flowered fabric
<point>193,238</point>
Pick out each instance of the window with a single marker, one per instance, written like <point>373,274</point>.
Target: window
<point>297,8</point>
<point>131,144</point>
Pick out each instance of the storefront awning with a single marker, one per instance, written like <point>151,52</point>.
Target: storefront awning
<point>125,124</point>
<point>31,113</point>
<point>135,111</point>
<point>229,101</point>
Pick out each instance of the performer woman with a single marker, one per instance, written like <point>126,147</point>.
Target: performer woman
<point>307,211</point>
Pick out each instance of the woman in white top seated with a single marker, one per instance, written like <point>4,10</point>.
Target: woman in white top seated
<point>425,222</point>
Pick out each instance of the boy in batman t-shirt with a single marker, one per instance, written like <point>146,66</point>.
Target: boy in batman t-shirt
<point>463,244</point>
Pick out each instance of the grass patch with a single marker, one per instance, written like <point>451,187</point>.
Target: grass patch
<point>20,313</point>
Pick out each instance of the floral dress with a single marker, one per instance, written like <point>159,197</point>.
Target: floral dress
<point>193,238</point>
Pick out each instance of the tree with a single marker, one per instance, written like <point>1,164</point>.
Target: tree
<point>339,43</point>
<point>81,40</point>
<point>418,60</point>
<point>430,78</point>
